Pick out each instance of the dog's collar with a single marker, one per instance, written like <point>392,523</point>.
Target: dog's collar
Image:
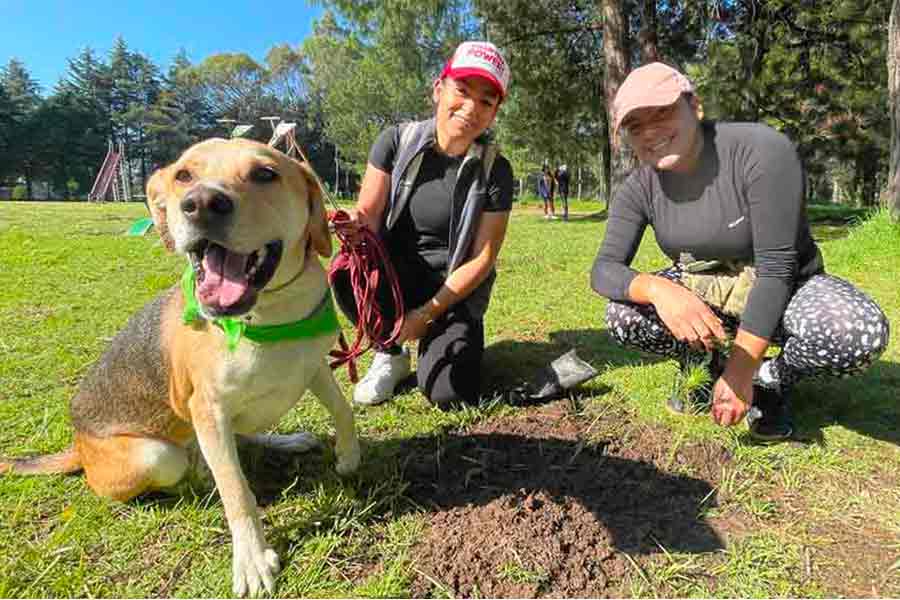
<point>321,321</point>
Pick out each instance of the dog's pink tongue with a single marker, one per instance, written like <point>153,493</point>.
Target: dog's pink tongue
<point>225,281</point>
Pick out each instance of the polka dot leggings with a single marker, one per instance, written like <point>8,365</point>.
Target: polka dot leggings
<point>829,328</point>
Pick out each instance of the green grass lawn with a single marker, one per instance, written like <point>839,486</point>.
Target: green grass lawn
<point>816,517</point>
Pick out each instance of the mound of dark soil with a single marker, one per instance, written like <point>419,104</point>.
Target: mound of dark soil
<point>536,505</point>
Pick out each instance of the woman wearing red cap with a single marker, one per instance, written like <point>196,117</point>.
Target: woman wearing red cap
<point>439,195</point>
<point>726,204</point>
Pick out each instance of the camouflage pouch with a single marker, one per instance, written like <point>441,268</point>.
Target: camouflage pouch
<point>724,285</point>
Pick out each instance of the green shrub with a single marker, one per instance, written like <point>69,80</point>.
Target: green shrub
<point>72,187</point>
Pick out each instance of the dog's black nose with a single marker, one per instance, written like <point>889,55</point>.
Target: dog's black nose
<point>204,203</point>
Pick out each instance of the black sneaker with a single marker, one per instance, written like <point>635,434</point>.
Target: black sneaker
<point>694,397</point>
<point>769,419</point>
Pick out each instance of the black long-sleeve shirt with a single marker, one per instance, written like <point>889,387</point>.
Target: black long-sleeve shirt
<point>743,202</point>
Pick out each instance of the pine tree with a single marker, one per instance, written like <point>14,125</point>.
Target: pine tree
<point>180,115</point>
<point>88,84</point>
<point>60,150</point>
<point>135,90</point>
<point>22,93</point>
<point>552,112</point>
<point>9,118</point>
<point>815,71</point>
<point>21,88</point>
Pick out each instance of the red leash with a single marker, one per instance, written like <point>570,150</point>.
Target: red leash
<point>366,260</point>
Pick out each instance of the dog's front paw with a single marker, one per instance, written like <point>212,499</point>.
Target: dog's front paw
<point>255,564</point>
<point>348,457</point>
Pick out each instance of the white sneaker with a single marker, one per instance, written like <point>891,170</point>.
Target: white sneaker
<point>385,372</point>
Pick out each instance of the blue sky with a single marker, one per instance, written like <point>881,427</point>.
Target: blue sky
<point>43,34</point>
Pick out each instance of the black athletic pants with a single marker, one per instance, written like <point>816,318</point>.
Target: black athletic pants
<point>448,370</point>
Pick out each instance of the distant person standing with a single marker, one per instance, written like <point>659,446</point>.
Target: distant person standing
<point>562,183</point>
<point>546,188</point>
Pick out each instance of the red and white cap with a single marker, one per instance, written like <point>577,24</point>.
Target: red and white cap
<point>479,59</point>
<point>654,84</point>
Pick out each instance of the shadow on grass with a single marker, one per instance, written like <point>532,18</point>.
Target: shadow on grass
<point>636,507</point>
<point>827,231</point>
<point>830,222</point>
<point>836,213</point>
<point>596,217</point>
<point>539,482</point>
<point>510,362</point>
<point>867,404</point>
<point>640,506</point>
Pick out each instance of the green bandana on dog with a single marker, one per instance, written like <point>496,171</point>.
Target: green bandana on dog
<point>322,321</point>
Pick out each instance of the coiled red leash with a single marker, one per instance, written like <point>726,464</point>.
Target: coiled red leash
<point>366,260</point>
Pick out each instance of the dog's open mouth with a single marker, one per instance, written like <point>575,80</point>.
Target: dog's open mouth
<point>227,281</point>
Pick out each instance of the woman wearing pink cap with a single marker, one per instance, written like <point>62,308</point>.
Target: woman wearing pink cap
<point>726,204</point>
<point>439,195</point>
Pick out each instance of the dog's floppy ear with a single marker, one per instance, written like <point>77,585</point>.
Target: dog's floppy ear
<point>318,223</point>
<point>156,202</point>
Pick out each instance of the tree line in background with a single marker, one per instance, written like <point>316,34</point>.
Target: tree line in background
<point>818,70</point>
<point>60,140</point>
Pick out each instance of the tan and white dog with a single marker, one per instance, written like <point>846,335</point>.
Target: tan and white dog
<point>251,221</point>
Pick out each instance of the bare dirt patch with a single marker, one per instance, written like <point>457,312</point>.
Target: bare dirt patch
<point>544,504</point>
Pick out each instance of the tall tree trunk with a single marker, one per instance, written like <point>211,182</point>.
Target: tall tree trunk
<point>648,38</point>
<point>617,66</point>
<point>869,167</point>
<point>603,183</point>
<point>142,149</point>
<point>893,66</point>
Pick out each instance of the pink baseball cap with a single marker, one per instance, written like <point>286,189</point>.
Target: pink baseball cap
<point>654,84</point>
<point>479,59</point>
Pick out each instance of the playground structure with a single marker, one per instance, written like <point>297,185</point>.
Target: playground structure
<point>112,180</point>
<point>283,134</point>
<point>110,175</point>
<point>238,130</point>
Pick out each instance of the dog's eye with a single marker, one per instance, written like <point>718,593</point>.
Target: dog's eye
<point>184,176</point>
<point>263,175</point>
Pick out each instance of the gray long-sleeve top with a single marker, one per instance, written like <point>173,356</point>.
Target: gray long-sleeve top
<point>743,202</point>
